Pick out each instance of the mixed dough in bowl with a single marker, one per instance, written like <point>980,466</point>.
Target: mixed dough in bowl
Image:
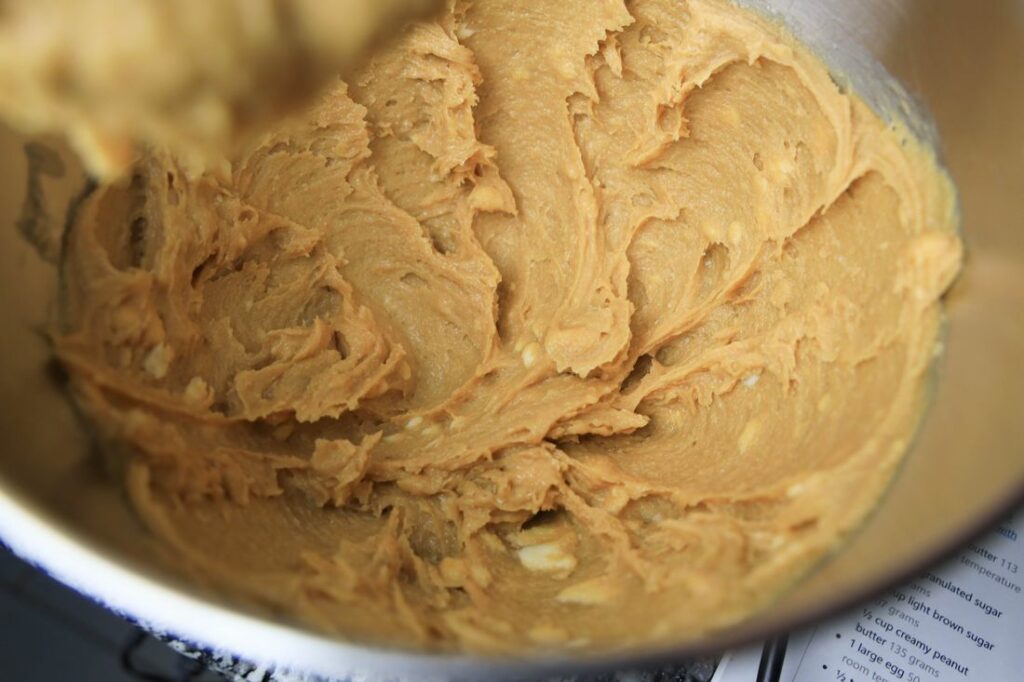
<point>561,324</point>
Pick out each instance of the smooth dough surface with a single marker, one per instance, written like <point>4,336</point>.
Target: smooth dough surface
<point>560,325</point>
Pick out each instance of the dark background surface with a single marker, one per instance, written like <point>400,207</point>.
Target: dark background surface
<point>50,633</point>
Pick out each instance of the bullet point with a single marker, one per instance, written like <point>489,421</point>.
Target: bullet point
<point>838,635</point>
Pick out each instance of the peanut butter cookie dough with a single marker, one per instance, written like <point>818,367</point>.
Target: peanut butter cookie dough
<point>562,324</point>
<point>198,76</point>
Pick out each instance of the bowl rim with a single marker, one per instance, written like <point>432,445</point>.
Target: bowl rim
<point>158,605</point>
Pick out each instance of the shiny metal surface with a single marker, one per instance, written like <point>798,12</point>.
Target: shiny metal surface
<point>963,60</point>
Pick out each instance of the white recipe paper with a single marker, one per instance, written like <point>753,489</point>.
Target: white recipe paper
<point>963,620</point>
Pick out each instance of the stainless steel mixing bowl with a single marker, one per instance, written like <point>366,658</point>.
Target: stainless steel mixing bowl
<point>964,60</point>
